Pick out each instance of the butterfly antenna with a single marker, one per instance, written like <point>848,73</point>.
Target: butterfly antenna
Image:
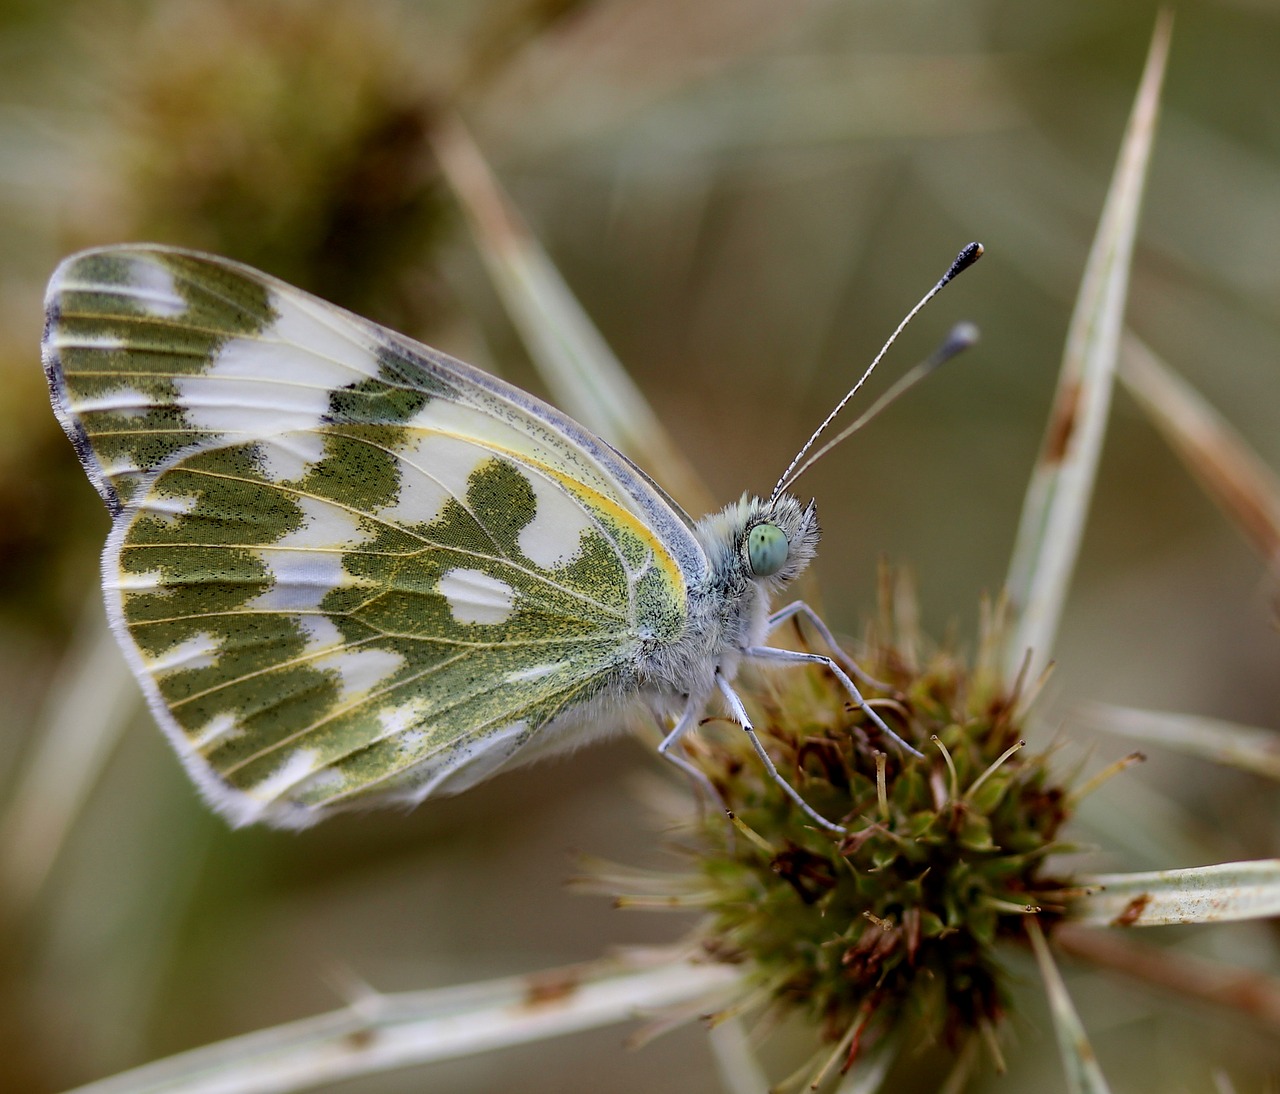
<point>963,261</point>
<point>961,338</point>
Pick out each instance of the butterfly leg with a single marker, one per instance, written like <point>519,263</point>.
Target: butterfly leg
<point>688,718</point>
<point>768,653</point>
<point>739,714</point>
<point>799,607</point>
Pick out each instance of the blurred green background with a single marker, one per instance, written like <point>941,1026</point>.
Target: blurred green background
<point>746,195</point>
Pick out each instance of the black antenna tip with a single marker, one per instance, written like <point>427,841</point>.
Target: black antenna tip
<point>964,260</point>
<point>960,338</point>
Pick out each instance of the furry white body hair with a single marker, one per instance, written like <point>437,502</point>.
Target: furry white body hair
<point>728,613</point>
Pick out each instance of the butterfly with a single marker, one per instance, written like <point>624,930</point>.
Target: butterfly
<point>347,569</point>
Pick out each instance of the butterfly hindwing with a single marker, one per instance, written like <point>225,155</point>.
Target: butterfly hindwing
<point>345,567</point>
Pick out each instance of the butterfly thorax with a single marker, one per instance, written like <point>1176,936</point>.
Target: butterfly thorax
<point>748,562</point>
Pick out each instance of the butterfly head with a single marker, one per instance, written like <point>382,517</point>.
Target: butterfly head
<point>781,538</point>
<point>768,542</point>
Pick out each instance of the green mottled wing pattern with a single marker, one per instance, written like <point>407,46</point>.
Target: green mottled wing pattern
<point>345,568</point>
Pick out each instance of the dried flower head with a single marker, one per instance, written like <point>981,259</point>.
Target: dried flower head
<point>900,919</point>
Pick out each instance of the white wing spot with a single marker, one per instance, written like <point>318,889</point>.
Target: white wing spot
<point>221,727</point>
<point>277,381</point>
<point>306,564</point>
<point>555,534</point>
<point>361,670</point>
<point>320,633</point>
<point>128,402</point>
<point>325,781</point>
<point>397,720</point>
<point>299,764</point>
<point>167,509</point>
<point>64,339</point>
<point>535,673</point>
<point>509,432</point>
<point>122,465</point>
<point>152,286</point>
<point>289,457</point>
<point>476,597</point>
<point>146,582</point>
<point>410,741</point>
<point>300,580</point>
<point>433,469</point>
<point>196,652</point>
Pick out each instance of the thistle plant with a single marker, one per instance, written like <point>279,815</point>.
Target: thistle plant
<point>897,925</point>
<point>909,934</point>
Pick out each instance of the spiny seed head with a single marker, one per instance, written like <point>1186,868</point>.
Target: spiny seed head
<point>943,856</point>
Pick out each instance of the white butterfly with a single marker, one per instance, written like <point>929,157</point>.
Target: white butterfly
<point>347,569</point>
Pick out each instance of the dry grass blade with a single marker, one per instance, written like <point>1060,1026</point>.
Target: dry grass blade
<point>584,376</point>
<point>1246,747</point>
<point>1058,495</point>
<point>872,1067</point>
<point>1203,894</point>
<point>90,704</point>
<point>739,1070</point>
<point>382,1032</point>
<point>1216,455</point>
<point>1083,1074</point>
<point>1245,991</point>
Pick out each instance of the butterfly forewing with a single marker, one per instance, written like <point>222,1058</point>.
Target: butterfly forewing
<point>345,567</point>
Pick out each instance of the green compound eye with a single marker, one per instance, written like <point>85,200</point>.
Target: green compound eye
<point>766,549</point>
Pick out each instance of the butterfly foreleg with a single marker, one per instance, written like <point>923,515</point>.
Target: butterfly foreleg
<point>799,607</point>
<point>768,653</point>
<point>687,720</point>
<point>739,714</point>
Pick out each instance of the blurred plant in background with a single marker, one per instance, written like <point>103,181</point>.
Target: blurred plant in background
<point>290,135</point>
<point>740,195</point>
